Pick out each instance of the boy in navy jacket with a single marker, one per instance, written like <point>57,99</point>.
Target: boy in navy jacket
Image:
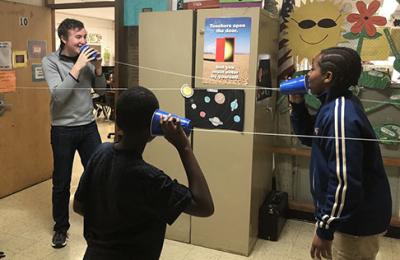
<point>348,181</point>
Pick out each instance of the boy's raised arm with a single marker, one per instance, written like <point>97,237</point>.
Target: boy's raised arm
<point>202,204</point>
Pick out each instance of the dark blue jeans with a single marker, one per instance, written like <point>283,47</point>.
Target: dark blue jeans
<point>65,141</point>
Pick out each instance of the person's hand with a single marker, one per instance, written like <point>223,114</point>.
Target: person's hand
<point>97,63</point>
<point>173,132</point>
<point>83,59</point>
<point>321,248</point>
<point>296,99</point>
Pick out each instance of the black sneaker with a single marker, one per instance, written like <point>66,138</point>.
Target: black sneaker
<point>59,239</point>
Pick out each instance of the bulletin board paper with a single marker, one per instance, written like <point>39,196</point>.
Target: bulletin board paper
<point>132,9</point>
<point>20,59</point>
<point>36,49</point>
<point>264,78</point>
<point>37,73</point>
<point>8,81</point>
<point>375,49</point>
<point>5,56</point>
<point>395,33</point>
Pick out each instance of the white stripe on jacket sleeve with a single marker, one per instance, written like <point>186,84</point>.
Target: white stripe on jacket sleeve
<point>340,150</point>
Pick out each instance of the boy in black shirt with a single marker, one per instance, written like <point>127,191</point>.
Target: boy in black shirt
<point>125,201</point>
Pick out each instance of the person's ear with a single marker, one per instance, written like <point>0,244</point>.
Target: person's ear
<point>63,39</point>
<point>328,77</point>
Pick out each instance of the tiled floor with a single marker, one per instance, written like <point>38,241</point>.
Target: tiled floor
<point>26,231</point>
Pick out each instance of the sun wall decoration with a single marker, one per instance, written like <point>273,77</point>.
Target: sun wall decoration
<point>314,26</point>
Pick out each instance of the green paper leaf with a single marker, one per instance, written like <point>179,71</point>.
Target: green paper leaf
<point>312,101</point>
<point>396,63</point>
<point>374,79</point>
<point>351,36</point>
<point>388,134</point>
<point>377,35</point>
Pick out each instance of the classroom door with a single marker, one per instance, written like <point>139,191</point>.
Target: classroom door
<point>25,152</point>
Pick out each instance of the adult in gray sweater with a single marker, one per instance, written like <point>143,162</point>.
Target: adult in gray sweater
<point>70,75</point>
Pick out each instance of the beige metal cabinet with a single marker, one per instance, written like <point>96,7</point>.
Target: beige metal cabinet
<point>238,166</point>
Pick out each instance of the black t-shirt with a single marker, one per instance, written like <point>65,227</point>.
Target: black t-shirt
<point>127,204</point>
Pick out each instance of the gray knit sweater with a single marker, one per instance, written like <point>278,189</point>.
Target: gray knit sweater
<point>71,101</point>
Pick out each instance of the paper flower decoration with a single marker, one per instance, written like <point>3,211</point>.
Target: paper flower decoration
<point>364,23</point>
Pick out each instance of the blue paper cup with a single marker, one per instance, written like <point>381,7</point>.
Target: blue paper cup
<point>297,85</point>
<point>155,127</point>
<point>85,47</point>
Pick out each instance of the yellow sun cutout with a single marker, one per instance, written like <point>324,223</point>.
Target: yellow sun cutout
<point>314,26</point>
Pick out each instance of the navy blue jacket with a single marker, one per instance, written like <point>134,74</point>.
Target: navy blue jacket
<point>348,181</point>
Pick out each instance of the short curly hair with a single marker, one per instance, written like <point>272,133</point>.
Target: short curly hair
<point>65,26</point>
<point>135,108</point>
